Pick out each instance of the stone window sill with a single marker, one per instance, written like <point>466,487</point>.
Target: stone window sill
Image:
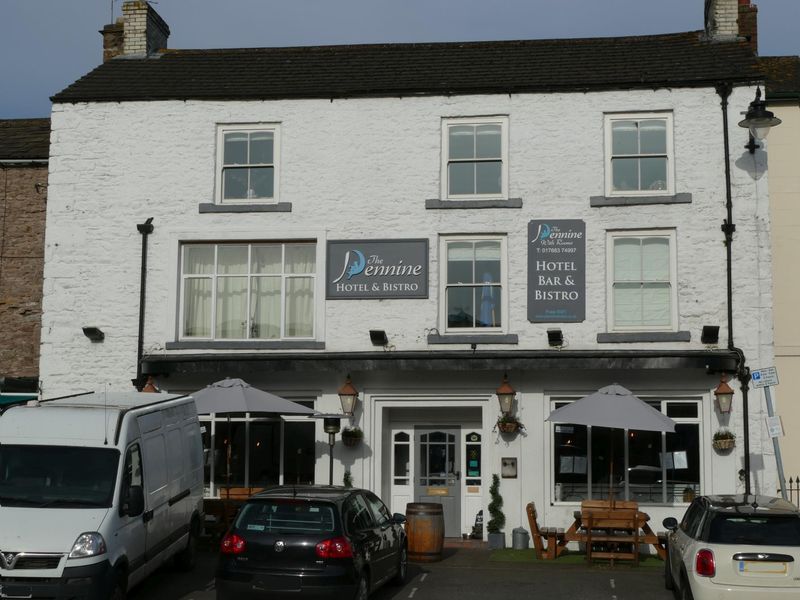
<point>246,345</point>
<point>599,201</point>
<point>630,337</point>
<point>209,207</point>
<point>436,204</point>
<point>482,338</point>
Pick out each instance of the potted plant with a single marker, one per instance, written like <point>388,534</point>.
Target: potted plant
<point>347,480</point>
<point>497,519</point>
<point>352,436</point>
<point>724,439</point>
<point>509,424</point>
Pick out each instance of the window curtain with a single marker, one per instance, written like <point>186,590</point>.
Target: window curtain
<point>300,263</point>
<point>197,261</point>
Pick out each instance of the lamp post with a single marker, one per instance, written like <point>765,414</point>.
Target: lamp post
<point>758,120</point>
<point>330,424</point>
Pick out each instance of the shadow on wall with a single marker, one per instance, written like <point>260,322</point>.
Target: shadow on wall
<point>343,455</point>
<point>754,165</point>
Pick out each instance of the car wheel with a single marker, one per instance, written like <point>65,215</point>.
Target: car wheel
<point>669,581</point>
<point>186,559</point>
<point>402,567</point>
<point>362,588</point>
<point>686,590</point>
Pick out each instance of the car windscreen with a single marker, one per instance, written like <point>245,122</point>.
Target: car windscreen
<point>776,530</point>
<point>286,516</point>
<point>57,476</point>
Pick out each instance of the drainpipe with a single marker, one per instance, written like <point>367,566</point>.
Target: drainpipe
<point>145,229</point>
<point>728,227</point>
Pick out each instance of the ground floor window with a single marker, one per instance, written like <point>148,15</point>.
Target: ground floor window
<point>646,466</point>
<point>249,451</point>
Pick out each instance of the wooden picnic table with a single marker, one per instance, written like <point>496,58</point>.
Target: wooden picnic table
<point>618,526</point>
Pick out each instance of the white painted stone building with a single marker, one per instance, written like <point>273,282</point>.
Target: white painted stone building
<point>255,164</point>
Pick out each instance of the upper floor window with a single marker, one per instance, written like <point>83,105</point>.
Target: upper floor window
<point>475,158</point>
<point>247,159</point>
<point>263,291</point>
<point>474,280</point>
<point>642,289</point>
<point>639,154</point>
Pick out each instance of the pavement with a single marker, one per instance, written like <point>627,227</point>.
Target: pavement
<point>464,573</point>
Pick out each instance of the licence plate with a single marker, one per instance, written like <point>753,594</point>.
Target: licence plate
<point>763,567</point>
<point>277,583</point>
<point>15,591</point>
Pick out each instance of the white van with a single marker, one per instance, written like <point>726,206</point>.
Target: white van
<point>96,492</point>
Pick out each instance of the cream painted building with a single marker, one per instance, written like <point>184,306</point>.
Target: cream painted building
<point>783,96</point>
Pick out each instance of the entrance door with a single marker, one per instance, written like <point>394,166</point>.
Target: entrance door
<point>438,476</point>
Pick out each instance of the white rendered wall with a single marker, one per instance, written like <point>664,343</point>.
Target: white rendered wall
<point>363,169</point>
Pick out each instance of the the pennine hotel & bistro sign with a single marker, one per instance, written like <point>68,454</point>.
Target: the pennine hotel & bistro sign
<point>361,269</point>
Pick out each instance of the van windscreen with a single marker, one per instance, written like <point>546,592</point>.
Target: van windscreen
<point>57,476</point>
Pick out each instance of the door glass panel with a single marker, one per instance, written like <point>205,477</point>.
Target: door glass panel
<point>402,457</point>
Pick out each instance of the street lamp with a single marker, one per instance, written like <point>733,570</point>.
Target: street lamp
<point>724,395</point>
<point>505,395</point>
<point>348,394</point>
<point>759,121</point>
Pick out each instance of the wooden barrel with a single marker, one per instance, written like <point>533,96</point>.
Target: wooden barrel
<point>425,531</point>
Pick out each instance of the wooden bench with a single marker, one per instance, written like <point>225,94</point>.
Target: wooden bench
<point>617,529</point>
<point>556,544</point>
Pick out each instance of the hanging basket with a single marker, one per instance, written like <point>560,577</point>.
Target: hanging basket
<point>724,445</point>
<point>508,426</point>
<point>351,441</point>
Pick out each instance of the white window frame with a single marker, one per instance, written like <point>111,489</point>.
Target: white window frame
<point>504,144</point>
<point>214,278</point>
<point>669,234</point>
<point>610,118</point>
<point>504,302</point>
<point>273,128</point>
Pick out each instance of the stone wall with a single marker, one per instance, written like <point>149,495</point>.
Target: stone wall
<point>23,199</point>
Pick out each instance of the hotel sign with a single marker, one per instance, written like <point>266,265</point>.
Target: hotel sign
<point>361,269</point>
<point>557,271</point>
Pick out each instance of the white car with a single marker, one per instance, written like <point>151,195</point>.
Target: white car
<point>734,547</point>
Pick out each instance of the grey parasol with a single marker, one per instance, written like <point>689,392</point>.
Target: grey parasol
<point>615,407</point>
<point>235,396</point>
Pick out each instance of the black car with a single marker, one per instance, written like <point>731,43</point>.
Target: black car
<point>311,542</point>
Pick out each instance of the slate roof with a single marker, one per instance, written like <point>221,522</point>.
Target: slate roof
<point>24,139</point>
<point>681,59</point>
<point>782,75</point>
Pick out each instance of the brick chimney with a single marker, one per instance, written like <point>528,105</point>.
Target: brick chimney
<point>139,31</point>
<point>748,23</point>
<point>731,20</point>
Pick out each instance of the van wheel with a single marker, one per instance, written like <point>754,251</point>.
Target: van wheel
<point>186,559</point>
<point>118,588</point>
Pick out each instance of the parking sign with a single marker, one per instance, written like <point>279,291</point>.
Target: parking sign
<point>767,377</point>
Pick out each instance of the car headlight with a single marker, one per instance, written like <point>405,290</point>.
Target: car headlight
<point>88,544</point>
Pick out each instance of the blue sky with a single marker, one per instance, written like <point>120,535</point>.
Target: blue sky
<point>47,44</point>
